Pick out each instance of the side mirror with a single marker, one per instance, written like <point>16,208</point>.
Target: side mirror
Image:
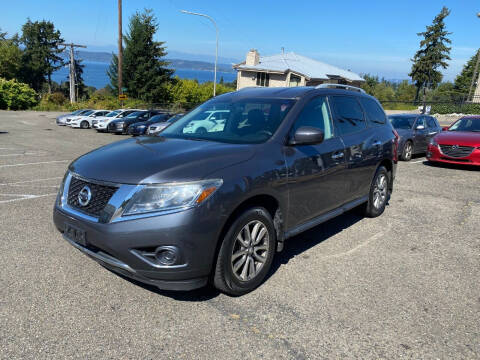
<point>445,128</point>
<point>307,135</point>
<point>420,127</point>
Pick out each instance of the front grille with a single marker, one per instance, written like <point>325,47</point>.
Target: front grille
<point>456,151</point>
<point>101,195</point>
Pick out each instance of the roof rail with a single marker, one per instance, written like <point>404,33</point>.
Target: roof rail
<point>339,86</point>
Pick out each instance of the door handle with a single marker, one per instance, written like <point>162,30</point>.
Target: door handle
<point>337,156</point>
<point>377,143</point>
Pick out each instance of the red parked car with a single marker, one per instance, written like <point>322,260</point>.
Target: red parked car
<point>457,144</point>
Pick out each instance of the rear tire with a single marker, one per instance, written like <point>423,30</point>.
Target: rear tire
<point>407,151</point>
<point>379,194</point>
<point>246,253</point>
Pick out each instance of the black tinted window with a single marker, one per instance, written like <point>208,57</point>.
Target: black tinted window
<point>373,111</point>
<point>348,114</point>
<point>316,114</point>
<point>420,121</point>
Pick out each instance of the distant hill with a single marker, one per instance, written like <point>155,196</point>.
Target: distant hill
<point>106,57</point>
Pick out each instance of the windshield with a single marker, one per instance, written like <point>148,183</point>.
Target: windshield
<point>135,114</point>
<point>76,112</point>
<point>466,124</point>
<point>402,122</point>
<point>88,112</point>
<point>112,114</point>
<point>158,118</point>
<point>245,121</point>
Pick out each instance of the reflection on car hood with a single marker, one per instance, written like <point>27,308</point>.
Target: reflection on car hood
<point>463,138</point>
<point>158,160</point>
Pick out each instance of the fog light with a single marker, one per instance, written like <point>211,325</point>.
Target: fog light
<point>166,255</point>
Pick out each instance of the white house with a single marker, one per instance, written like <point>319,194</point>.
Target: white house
<point>289,69</point>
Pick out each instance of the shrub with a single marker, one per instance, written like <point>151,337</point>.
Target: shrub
<point>57,98</point>
<point>15,95</point>
<point>469,108</point>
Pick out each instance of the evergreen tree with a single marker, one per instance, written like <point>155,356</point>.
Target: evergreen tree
<point>112,73</point>
<point>464,80</point>
<point>41,55</point>
<point>432,55</point>
<point>145,72</point>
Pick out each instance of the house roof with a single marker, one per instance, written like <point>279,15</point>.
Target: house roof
<point>312,69</point>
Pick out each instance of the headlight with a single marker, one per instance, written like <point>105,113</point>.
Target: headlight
<point>167,197</point>
<point>60,190</point>
<point>433,142</point>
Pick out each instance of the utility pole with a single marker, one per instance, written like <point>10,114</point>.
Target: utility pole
<point>476,93</point>
<point>72,69</point>
<point>120,49</point>
<point>216,48</point>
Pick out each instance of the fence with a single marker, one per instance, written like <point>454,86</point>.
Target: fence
<point>437,106</point>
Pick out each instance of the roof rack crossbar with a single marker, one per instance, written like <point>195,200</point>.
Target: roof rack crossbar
<point>339,86</point>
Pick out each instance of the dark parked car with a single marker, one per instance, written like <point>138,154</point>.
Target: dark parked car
<point>415,132</point>
<point>158,125</point>
<point>182,208</point>
<point>120,126</point>
<point>140,128</point>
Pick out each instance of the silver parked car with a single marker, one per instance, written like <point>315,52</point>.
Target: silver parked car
<point>156,127</point>
<point>62,119</point>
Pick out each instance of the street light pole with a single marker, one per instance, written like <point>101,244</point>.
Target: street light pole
<point>216,48</point>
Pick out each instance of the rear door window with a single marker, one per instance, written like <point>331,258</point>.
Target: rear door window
<point>374,113</point>
<point>431,123</point>
<point>349,117</point>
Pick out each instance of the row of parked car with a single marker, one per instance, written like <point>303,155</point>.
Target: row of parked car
<point>455,144</point>
<point>122,121</point>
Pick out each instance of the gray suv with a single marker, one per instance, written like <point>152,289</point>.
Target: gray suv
<point>186,208</point>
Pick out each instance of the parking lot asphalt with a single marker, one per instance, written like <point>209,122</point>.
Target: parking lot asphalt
<point>403,285</point>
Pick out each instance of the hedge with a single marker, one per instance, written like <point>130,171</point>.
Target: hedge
<point>469,108</point>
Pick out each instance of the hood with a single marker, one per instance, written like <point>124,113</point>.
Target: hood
<point>137,124</point>
<point>158,160</point>
<point>463,138</point>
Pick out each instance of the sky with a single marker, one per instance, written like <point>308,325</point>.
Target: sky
<point>376,37</point>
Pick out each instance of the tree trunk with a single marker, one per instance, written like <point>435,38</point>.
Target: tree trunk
<point>424,99</point>
<point>49,83</point>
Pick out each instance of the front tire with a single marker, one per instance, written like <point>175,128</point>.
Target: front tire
<point>246,253</point>
<point>84,125</point>
<point>379,194</point>
<point>407,151</point>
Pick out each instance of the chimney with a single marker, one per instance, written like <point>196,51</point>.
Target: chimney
<point>253,58</point>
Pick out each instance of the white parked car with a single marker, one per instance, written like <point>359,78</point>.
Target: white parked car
<point>85,122</point>
<point>156,127</point>
<point>101,123</point>
<point>62,119</point>
<point>72,117</point>
<point>207,121</point>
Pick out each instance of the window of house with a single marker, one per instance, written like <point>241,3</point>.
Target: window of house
<point>295,80</point>
<point>262,79</point>
<point>349,116</point>
<point>375,114</point>
<point>316,114</point>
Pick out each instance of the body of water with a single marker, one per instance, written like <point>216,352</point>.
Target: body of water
<point>95,74</point>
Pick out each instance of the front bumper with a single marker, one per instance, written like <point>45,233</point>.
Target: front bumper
<point>116,130</point>
<point>434,154</point>
<point>126,244</point>
<point>136,131</point>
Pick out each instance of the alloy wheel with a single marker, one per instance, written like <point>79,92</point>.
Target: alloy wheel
<point>250,250</point>
<point>380,191</point>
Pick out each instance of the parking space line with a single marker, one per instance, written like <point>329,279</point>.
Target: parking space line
<point>37,163</point>
<point>23,197</point>
<point>30,181</point>
<point>23,154</point>
<point>418,161</point>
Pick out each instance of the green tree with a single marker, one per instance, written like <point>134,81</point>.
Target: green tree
<point>41,54</point>
<point>145,72</point>
<point>405,92</point>
<point>464,80</point>
<point>112,73</point>
<point>432,55</point>
<point>10,57</point>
